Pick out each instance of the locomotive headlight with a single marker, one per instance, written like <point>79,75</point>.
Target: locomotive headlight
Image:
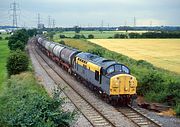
<point>126,89</point>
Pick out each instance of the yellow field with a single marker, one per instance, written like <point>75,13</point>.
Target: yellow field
<point>164,53</point>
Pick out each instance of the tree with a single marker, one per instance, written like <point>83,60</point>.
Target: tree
<point>19,45</point>
<point>77,29</point>
<point>20,35</point>
<point>32,32</point>
<point>51,35</point>
<point>90,36</point>
<point>6,38</point>
<point>134,35</point>
<point>116,35</point>
<point>17,62</point>
<point>62,36</point>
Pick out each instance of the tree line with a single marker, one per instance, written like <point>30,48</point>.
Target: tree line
<point>148,35</point>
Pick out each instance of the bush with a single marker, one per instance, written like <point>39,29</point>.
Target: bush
<point>134,35</point>
<point>19,45</point>
<point>32,32</point>
<point>98,51</point>
<point>62,36</point>
<point>62,42</point>
<point>173,93</point>
<point>27,104</point>
<point>77,29</point>
<point>116,35</point>
<point>1,38</point>
<point>6,38</point>
<point>20,35</point>
<point>177,109</point>
<point>90,36</point>
<point>17,62</point>
<point>77,36</point>
<point>151,81</point>
<point>120,35</point>
<point>145,64</point>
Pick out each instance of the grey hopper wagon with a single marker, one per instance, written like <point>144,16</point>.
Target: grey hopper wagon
<point>68,54</point>
<point>57,50</point>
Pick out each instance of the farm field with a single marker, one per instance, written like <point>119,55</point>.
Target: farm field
<point>163,53</point>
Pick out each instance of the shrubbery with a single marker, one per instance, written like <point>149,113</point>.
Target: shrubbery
<point>62,36</point>
<point>120,35</point>
<point>97,51</point>
<point>17,62</point>
<point>20,35</point>
<point>62,42</point>
<point>90,36</point>
<point>25,103</point>
<point>1,38</point>
<point>6,38</point>
<point>78,36</point>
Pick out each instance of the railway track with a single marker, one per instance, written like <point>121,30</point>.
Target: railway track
<point>136,115</point>
<point>89,108</point>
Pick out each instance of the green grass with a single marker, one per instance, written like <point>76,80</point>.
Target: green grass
<point>4,52</point>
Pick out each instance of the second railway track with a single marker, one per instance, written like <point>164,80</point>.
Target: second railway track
<point>94,111</point>
<point>138,117</point>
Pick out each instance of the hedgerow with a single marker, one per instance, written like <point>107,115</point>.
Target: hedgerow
<point>25,103</point>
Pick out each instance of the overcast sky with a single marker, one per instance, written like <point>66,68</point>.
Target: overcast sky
<point>93,12</point>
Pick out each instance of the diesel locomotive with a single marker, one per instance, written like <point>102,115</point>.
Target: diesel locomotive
<point>113,80</point>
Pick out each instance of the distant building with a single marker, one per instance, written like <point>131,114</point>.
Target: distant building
<point>3,31</point>
<point>40,26</point>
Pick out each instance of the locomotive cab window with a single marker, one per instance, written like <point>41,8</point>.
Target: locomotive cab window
<point>118,67</point>
<point>97,75</point>
<point>125,69</point>
<point>110,69</point>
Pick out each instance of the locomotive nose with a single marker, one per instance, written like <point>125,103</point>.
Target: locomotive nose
<point>123,84</point>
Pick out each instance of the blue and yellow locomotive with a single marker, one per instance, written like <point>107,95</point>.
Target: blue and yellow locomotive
<point>110,78</point>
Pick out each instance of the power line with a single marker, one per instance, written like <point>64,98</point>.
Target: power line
<point>14,7</point>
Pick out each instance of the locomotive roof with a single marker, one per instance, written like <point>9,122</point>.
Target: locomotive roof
<point>105,63</point>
